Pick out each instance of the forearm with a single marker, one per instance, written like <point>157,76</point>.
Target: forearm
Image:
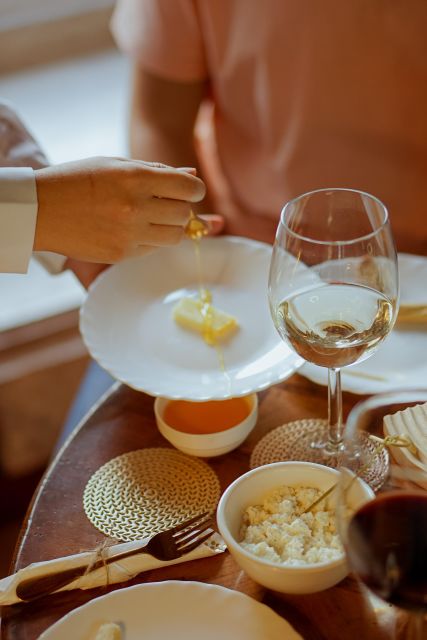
<point>163,119</point>
<point>151,143</point>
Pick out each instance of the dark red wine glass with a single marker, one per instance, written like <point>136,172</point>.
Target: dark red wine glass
<point>386,539</point>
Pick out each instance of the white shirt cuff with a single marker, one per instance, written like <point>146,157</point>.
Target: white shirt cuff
<point>18,216</point>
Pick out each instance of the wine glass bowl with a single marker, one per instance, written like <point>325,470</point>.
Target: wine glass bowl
<point>386,540</point>
<point>333,291</point>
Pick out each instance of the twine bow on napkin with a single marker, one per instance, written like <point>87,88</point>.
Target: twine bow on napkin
<point>114,572</point>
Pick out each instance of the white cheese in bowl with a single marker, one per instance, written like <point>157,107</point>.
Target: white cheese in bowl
<point>275,530</point>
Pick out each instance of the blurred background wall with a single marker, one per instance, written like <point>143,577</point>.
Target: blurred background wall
<point>39,31</point>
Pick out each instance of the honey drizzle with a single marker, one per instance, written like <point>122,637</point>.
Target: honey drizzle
<point>196,245</point>
<point>206,310</point>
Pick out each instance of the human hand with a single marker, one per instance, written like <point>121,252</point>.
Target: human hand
<point>105,209</point>
<point>86,272</point>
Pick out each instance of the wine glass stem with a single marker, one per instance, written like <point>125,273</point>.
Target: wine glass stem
<point>334,412</point>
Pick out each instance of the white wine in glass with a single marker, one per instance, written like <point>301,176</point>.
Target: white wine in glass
<point>333,293</point>
<point>334,325</point>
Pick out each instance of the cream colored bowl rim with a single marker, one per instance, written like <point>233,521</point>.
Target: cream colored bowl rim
<point>202,438</point>
<point>231,541</point>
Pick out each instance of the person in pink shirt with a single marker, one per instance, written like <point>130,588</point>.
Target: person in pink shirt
<point>300,95</point>
<point>273,98</point>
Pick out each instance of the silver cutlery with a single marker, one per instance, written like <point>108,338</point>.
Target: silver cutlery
<point>165,546</point>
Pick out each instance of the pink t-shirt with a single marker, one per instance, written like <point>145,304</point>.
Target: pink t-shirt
<point>307,94</point>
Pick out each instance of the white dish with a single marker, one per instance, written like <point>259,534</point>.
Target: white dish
<point>127,325</point>
<point>174,609</point>
<point>400,362</point>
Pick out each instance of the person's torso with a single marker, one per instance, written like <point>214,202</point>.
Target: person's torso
<point>314,94</point>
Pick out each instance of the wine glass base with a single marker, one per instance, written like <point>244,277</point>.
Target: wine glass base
<point>304,440</point>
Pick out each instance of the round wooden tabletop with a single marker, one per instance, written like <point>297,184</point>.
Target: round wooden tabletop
<point>123,421</point>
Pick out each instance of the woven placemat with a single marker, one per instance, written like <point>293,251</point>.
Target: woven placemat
<point>291,441</point>
<point>286,442</point>
<point>146,491</point>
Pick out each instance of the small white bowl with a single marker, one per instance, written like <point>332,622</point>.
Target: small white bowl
<point>207,445</point>
<point>251,488</point>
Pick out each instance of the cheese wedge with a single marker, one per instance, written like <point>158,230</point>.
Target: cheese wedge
<point>202,317</point>
<point>109,631</point>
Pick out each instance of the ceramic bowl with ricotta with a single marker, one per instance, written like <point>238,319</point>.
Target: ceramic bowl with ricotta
<point>259,518</point>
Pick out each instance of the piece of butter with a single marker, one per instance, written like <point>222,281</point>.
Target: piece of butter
<point>109,631</point>
<point>202,317</point>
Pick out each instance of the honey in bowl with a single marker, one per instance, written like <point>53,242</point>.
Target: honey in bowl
<point>209,428</point>
<point>212,416</point>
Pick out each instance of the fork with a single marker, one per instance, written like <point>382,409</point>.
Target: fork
<point>167,545</point>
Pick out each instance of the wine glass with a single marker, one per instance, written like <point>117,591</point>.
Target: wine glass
<point>386,539</point>
<point>333,294</point>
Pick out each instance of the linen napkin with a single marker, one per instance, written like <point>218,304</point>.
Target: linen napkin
<point>119,571</point>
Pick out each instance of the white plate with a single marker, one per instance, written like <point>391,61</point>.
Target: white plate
<point>401,361</point>
<point>127,325</point>
<point>178,610</point>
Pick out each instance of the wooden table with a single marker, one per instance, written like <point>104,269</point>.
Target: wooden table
<point>123,421</point>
